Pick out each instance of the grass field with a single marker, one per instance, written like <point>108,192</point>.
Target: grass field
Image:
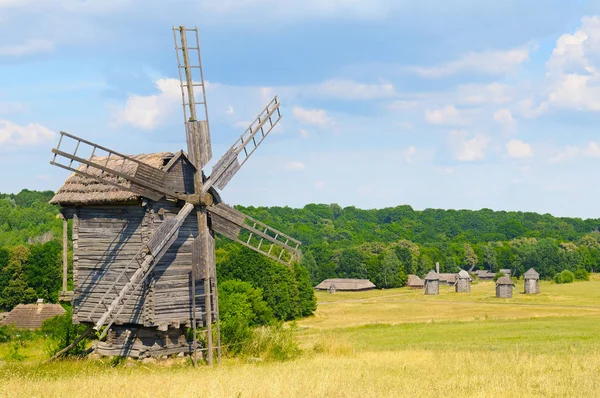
<point>377,344</point>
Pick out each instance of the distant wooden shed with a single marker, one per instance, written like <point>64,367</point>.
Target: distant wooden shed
<point>532,282</point>
<point>432,283</point>
<point>414,282</point>
<point>463,282</point>
<point>350,285</point>
<point>447,278</point>
<point>31,316</point>
<point>504,287</point>
<point>484,274</point>
<point>505,271</point>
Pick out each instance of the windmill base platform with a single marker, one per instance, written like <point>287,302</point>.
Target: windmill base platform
<point>141,342</point>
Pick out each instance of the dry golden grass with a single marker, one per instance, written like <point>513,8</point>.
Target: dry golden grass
<point>376,344</point>
<point>415,373</point>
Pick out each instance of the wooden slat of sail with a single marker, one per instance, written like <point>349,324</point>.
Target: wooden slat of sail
<point>143,178</point>
<point>199,259</point>
<point>198,143</point>
<point>230,223</point>
<point>244,147</point>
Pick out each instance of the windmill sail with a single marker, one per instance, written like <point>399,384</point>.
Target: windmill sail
<point>245,146</point>
<point>253,234</point>
<point>116,169</point>
<point>191,81</point>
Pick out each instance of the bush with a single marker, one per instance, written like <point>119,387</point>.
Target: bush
<point>241,306</point>
<point>15,351</point>
<point>11,333</point>
<point>498,276</point>
<point>61,332</point>
<point>272,343</point>
<point>565,276</point>
<point>582,275</point>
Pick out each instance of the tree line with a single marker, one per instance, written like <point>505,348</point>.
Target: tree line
<point>383,245</point>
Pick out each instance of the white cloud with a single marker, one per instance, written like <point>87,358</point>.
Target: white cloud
<point>304,133</point>
<point>147,112</point>
<point>518,149</point>
<point>11,107</point>
<point>12,134</point>
<point>468,148</point>
<point>409,154</point>
<point>527,109</point>
<point>493,93</point>
<point>30,46</point>
<point>295,166</point>
<point>447,115</point>
<point>591,150</point>
<point>229,110</point>
<point>574,79</point>
<point>315,117</point>
<point>349,90</point>
<point>488,62</point>
<point>505,118</point>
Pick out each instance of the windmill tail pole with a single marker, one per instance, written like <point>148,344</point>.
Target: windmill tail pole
<point>73,344</point>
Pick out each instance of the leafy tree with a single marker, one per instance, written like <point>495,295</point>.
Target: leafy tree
<point>392,272</point>
<point>307,302</point>
<point>470,259</point>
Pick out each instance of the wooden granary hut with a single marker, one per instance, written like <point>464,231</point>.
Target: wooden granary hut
<point>414,282</point>
<point>532,281</point>
<point>31,316</point>
<point>504,287</point>
<point>345,285</point>
<point>111,225</point>
<point>432,283</point>
<point>463,282</point>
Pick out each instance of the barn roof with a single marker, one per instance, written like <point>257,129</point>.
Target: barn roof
<point>414,281</point>
<point>505,280</point>
<point>31,316</point>
<point>505,271</point>
<point>346,284</point>
<point>448,278</point>
<point>432,276</point>
<point>532,274</point>
<point>80,190</point>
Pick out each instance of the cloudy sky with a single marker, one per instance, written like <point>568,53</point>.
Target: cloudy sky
<point>432,103</point>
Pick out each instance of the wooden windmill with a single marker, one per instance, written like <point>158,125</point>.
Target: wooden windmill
<point>143,227</point>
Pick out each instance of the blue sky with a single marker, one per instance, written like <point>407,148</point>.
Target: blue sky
<point>445,104</point>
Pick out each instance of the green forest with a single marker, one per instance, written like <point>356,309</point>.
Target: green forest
<point>383,245</point>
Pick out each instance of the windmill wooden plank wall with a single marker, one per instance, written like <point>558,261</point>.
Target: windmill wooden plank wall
<point>144,267</point>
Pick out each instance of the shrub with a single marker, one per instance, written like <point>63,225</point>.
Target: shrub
<point>498,276</point>
<point>565,276</point>
<point>582,274</point>
<point>272,343</point>
<point>61,332</point>
<point>15,352</point>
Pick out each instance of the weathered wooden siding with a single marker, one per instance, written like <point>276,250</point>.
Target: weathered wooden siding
<point>180,177</point>
<point>105,240</point>
<point>432,287</point>
<point>108,237</point>
<point>504,291</point>
<point>463,285</point>
<point>532,286</point>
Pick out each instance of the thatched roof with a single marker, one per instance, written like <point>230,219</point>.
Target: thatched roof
<point>432,276</point>
<point>414,281</point>
<point>447,278</point>
<point>80,190</point>
<point>505,280</point>
<point>531,274</point>
<point>505,271</point>
<point>31,316</point>
<point>462,274</point>
<point>346,284</point>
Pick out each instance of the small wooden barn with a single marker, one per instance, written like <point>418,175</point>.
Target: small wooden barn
<point>31,316</point>
<point>504,287</point>
<point>345,285</point>
<point>484,274</point>
<point>414,282</point>
<point>432,283</point>
<point>505,271</point>
<point>532,281</point>
<point>463,282</point>
<point>447,279</point>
